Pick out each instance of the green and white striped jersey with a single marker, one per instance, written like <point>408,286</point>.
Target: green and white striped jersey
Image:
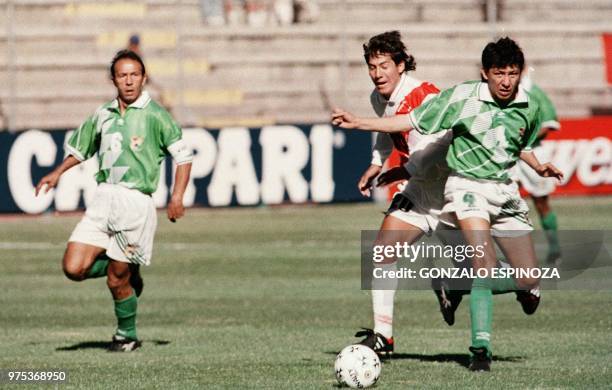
<point>487,139</point>
<point>130,147</point>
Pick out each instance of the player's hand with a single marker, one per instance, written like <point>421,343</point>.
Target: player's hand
<point>392,175</point>
<point>175,209</point>
<point>343,119</point>
<point>549,170</point>
<point>47,183</point>
<point>365,182</point>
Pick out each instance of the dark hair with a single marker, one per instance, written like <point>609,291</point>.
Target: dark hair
<point>504,52</point>
<point>122,54</point>
<point>389,42</point>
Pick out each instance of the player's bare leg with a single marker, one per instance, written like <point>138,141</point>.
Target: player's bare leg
<point>79,259</point>
<point>520,253</point>
<point>126,304</point>
<point>395,230</point>
<point>118,281</point>
<point>541,204</point>
<point>380,339</point>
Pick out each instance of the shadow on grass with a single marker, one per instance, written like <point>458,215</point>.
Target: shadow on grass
<point>103,345</point>
<point>463,359</point>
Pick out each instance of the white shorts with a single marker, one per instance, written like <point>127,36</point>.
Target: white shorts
<point>120,220</point>
<point>497,202</point>
<point>533,183</point>
<point>423,206</point>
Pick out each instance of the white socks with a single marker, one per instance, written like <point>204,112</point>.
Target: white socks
<point>382,301</point>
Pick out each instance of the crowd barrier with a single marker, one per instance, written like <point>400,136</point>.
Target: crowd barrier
<point>231,167</point>
<point>270,165</point>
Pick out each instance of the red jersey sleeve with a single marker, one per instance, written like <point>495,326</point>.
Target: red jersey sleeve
<point>415,98</point>
<point>411,101</point>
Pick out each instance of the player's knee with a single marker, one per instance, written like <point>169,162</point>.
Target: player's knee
<point>74,272</point>
<point>74,264</point>
<point>115,282</point>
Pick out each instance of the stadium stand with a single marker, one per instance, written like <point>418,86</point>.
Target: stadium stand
<point>281,74</point>
<point>555,11</point>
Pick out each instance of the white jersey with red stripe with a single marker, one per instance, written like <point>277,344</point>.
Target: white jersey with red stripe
<point>430,163</point>
<point>423,156</point>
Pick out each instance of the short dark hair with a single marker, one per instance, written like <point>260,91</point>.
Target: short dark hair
<point>390,43</point>
<point>122,54</point>
<point>504,52</point>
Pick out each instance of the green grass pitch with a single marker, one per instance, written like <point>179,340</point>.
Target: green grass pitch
<point>265,297</point>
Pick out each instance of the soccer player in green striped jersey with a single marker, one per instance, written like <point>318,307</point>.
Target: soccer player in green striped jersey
<point>131,136</point>
<point>494,124</point>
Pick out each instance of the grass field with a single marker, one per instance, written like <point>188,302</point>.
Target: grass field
<point>265,297</point>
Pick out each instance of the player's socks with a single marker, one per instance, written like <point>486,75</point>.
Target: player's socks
<point>549,224</point>
<point>503,285</point>
<point>481,313</point>
<point>382,302</point>
<point>125,311</point>
<point>99,268</point>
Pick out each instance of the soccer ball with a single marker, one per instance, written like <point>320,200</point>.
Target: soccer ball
<point>357,366</point>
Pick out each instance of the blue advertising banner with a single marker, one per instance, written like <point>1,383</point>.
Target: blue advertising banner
<point>231,167</point>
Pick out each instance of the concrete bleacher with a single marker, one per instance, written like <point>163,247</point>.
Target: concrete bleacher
<point>292,74</point>
<point>556,11</point>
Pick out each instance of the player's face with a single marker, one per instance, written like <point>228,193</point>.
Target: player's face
<point>503,82</point>
<point>129,80</point>
<point>385,73</point>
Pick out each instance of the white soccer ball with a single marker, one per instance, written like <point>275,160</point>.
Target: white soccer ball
<point>357,366</point>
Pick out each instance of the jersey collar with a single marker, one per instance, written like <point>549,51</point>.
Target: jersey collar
<point>485,95</point>
<point>141,102</point>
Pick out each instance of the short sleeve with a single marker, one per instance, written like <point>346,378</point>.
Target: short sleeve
<point>170,131</point>
<point>435,114</point>
<point>82,144</point>
<point>548,114</point>
<point>533,129</point>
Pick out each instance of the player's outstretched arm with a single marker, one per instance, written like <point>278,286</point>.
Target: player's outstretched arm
<point>391,124</point>
<point>175,208</point>
<point>544,170</point>
<point>50,181</point>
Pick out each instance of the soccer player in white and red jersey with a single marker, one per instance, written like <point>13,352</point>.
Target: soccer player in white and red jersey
<point>414,211</point>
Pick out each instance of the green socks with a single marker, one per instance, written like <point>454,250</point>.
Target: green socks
<point>549,224</point>
<point>503,285</point>
<point>99,267</point>
<point>481,313</point>
<point>125,310</point>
